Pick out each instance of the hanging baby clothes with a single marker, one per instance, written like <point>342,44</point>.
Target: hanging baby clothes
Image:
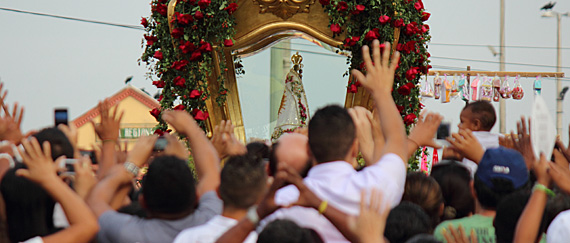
<point>474,90</point>
<point>464,88</point>
<point>505,89</point>
<point>454,88</point>
<point>537,86</point>
<point>426,89</point>
<point>496,89</point>
<point>437,86</point>
<point>486,89</point>
<point>518,92</point>
<point>445,91</point>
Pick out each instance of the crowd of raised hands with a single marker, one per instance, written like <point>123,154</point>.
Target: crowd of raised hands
<point>92,195</point>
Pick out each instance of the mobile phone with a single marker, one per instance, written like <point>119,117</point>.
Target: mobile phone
<point>60,116</point>
<point>68,165</point>
<point>443,131</point>
<point>160,144</point>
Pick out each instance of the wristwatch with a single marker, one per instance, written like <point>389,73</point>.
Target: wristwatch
<point>131,168</point>
<point>252,215</point>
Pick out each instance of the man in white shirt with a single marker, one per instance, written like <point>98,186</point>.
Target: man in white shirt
<point>333,143</point>
<point>243,182</point>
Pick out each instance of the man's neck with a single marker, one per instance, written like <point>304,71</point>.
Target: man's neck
<point>484,211</point>
<point>234,213</point>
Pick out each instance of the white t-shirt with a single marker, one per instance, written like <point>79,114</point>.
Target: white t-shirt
<point>339,184</point>
<point>36,239</point>
<point>210,231</point>
<point>487,140</point>
<point>558,229</point>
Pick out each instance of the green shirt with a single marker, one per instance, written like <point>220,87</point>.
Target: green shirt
<point>482,225</point>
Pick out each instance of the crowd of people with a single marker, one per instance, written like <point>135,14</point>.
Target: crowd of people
<point>306,187</point>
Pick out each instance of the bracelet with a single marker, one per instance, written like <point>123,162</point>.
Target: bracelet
<point>131,168</point>
<point>109,140</point>
<point>323,206</point>
<point>538,186</point>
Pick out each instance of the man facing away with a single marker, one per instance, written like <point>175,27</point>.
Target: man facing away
<point>333,143</point>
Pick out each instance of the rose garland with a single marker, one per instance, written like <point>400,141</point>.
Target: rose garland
<point>364,21</point>
<point>180,61</point>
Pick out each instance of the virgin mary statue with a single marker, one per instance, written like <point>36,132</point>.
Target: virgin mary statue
<point>294,110</point>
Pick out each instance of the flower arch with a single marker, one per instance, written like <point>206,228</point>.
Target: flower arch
<point>189,47</point>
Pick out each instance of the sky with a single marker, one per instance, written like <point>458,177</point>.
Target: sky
<point>48,63</point>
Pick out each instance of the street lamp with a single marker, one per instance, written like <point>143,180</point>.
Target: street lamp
<point>550,14</point>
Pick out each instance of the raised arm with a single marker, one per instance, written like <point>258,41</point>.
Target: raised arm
<point>423,132</point>
<point>529,223</point>
<point>83,224</point>
<point>108,132</point>
<point>379,81</point>
<point>102,195</point>
<point>205,155</point>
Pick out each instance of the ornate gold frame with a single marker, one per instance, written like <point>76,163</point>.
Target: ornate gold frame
<point>258,24</point>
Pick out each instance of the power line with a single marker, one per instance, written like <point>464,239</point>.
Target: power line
<point>74,19</point>
<point>484,61</point>
<point>482,45</point>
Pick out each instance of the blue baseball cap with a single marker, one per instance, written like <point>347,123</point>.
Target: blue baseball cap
<point>502,163</point>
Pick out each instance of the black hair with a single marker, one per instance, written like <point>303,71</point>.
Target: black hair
<point>273,159</point>
<point>423,238</point>
<point>424,192</point>
<point>509,211</point>
<point>29,208</point>
<point>242,181</point>
<point>60,144</point>
<point>490,198</point>
<point>405,221</point>
<point>258,149</point>
<point>555,205</point>
<point>453,179</point>
<point>169,186</point>
<point>331,133</point>
<point>287,231</point>
<point>484,112</point>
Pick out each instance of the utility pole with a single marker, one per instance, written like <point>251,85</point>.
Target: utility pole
<point>502,104</point>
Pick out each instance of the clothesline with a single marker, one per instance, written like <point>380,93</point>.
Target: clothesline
<point>496,73</point>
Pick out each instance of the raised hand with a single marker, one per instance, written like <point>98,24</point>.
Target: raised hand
<point>84,177</point>
<point>523,144</point>
<point>541,168</point>
<point>267,205</point>
<point>225,141</point>
<point>175,147</point>
<point>467,145</point>
<point>142,150</point>
<point>10,124</point>
<point>380,70</point>
<point>41,168</point>
<point>560,176</point>
<point>179,120</point>
<point>458,235</point>
<point>425,129</point>
<point>306,197</point>
<point>370,224</point>
<point>108,128</point>
<point>362,122</point>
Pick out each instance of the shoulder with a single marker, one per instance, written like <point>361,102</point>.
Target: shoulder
<point>187,235</point>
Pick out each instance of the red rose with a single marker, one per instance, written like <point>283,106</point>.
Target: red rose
<point>409,47</point>
<point>179,65</point>
<point>410,119</point>
<point>342,6</point>
<point>150,40</point>
<point>179,107</point>
<point>425,16</point>
<point>160,9</point>
<point>372,34</point>
<point>144,22</point>
<point>177,33</point>
<point>204,3</point>
<point>411,85</point>
<point>335,28</point>
<point>187,47</point>
<point>352,88</point>
<point>425,28</point>
<point>419,5</point>
<point>411,28</point>
<point>196,55</point>
<point>325,2</point>
<point>398,23</point>
<point>351,41</point>
<point>160,132</point>
<point>206,47</point>
<point>160,98</point>
<point>179,81</point>
<point>358,9</point>
<point>184,19</point>
<point>404,90</point>
<point>158,55</point>
<point>200,115</point>
<point>155,112</point>
<point>159,83</point>
<point>198,15</point>
<point>411,73</point>
<point>400,108</point>
<point>195,94</point>
<point>228,42</point>
<point>384,19</point>
<point>231,8</point>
